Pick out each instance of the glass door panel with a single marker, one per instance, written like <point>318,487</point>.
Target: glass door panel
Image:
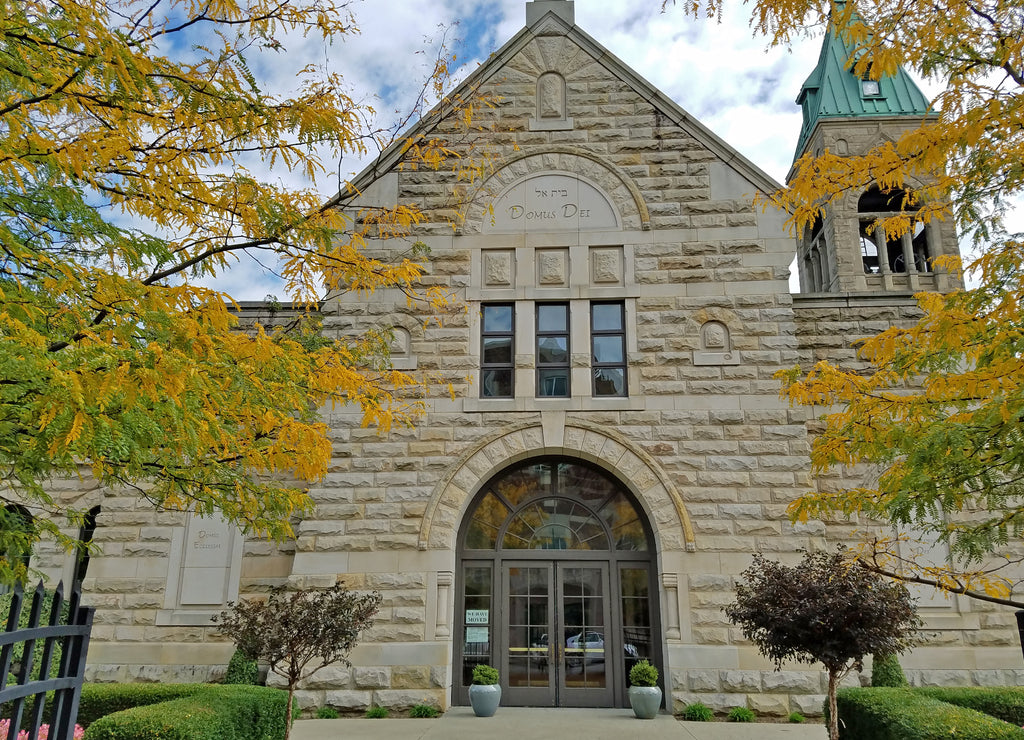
<point>637,640</point>
<point>584,674</point>
<point>477,619</point>
<point>528,664</point>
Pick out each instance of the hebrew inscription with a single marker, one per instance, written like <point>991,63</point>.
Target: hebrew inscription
<point>552,202</point>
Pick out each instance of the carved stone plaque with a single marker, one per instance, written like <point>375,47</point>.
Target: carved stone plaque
<point>209,544</point>
<point>715,346</point>
<point>551,96</point>
<point>552,267</point>
<point>498,268</point>
<point>551,202</point>
<point>606,265</point>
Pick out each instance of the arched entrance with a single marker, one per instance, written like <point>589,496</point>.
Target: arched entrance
<point>556,586</point>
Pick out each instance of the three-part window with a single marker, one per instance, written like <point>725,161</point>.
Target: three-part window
<point>552,339</point>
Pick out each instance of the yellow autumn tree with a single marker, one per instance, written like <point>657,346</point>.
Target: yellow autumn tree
<point>131,135</point>
<point>939,413</point>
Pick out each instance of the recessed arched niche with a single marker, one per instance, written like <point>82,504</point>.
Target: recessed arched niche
<point>551,201</point>
<point>715,345</point>
<point>552,114</point>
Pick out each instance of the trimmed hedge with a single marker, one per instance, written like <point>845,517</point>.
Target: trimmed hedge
<point>907,714</point>
<point>1004,702</point>
<point>100,699</point>
<point>207,712</point>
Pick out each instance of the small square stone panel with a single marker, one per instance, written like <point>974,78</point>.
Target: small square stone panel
<point>498,268</point>
<point>606,265</point>
<point>552,268</point>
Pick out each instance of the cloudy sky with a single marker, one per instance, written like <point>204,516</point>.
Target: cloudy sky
<point>719,72</point>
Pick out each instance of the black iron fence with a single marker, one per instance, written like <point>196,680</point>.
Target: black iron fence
<point>51,658</point>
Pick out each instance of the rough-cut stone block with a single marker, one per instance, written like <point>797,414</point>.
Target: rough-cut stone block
<point>329,677</point>
<point>348,700</point>
<point>704,681</point>
<point>740,681</point>
<point>371,678</point>
<point>773,705</point>
<point>792,682</point>
<point>809,705</point>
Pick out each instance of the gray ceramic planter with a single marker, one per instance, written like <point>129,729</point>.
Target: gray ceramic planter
<point>645,700</point>
<point>485,699</point>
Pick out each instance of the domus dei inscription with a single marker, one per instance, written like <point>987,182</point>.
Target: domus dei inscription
<point>552,202</point>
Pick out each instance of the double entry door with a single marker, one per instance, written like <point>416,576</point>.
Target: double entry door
<point>559,648</point>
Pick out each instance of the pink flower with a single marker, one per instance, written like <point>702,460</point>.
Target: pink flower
<point>43,734</point>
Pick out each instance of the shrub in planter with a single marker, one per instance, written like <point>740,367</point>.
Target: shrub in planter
<point>644,692</point>
<point>423,711</point>
<point>485,693</point>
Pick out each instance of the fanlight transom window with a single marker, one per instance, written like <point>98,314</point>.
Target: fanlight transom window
<point>555,505</point>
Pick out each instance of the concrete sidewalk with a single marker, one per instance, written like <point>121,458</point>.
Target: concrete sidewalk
<point>517,723</point>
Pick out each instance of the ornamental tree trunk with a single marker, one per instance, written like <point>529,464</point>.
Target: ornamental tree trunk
<point>833,714</point>
<point>288,712</point>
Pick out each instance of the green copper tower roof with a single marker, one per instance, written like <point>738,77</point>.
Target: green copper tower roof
<point>833,91</point>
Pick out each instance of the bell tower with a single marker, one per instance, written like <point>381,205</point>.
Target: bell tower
<point>845,251</point>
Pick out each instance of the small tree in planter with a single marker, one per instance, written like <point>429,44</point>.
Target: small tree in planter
<point>299,632</point>
<point>485,692</point>
<point>825,609</point>
<point>644,693</point>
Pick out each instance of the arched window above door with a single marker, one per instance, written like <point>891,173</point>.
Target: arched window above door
<point>555,505</point>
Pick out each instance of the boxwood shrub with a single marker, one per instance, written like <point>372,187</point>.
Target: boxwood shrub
<point>213,712</point>
<point>905,714</point>
<point>1004,702</point>
<point>242,670</point>
<point>100,699</point>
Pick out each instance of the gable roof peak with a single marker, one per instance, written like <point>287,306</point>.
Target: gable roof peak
<point>537,9</point>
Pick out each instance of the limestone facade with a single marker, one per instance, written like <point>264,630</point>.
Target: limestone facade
<point>600,190</point>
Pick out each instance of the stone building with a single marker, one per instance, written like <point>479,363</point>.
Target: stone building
<point>615,449</point>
